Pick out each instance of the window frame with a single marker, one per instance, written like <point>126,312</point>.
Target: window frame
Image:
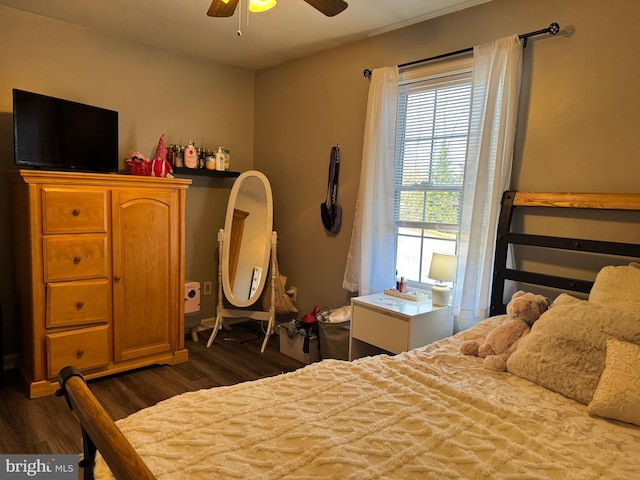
<point>444,74</point>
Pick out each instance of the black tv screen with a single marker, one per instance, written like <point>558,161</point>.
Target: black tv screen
<point>52,133</point>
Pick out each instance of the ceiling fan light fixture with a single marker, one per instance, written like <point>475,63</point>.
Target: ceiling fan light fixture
<point>226,8</point>
<point>261,5</point>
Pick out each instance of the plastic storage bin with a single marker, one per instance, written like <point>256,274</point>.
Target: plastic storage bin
<point>334,335</point>
<point>294,347</point>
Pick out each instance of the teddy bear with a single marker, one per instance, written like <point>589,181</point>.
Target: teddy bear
<point>523,310</point>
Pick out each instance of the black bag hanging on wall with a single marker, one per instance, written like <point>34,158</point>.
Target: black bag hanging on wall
<point>330,211</point>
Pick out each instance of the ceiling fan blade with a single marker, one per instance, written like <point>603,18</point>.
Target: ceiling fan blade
<point>219,8</point>
<point>329,7</point>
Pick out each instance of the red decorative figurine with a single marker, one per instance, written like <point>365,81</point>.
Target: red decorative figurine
<point>160,167</point>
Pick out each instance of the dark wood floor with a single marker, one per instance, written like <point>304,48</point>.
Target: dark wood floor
<point>45,425</point>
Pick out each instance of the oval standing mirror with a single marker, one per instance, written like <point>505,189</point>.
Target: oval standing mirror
<point>247,239</point>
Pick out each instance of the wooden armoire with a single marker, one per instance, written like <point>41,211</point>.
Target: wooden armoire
<point>100,269</point>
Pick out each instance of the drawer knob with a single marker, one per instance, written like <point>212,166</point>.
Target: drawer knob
<point>79,353</point>
<point>79,305</point>
<point>116,279</point>
<point>76,260</point>
<point>76,212</point>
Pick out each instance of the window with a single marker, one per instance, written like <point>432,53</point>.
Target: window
<point>433,126</point>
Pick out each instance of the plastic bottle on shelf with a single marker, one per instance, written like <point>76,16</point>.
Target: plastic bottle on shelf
<point>220,160</point>
<point>190,156</point>
<point>227,158</point>
<point>179,156</point>
<point>170,157</point>
<point>210,160</point>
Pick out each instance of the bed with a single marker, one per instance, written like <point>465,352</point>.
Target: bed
<point>430,412</point>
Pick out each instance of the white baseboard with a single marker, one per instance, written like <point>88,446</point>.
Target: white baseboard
<point>206,324</point>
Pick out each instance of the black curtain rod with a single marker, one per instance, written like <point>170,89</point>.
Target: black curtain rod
<point>552,29</point>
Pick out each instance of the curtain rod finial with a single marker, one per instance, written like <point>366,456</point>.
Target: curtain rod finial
<point>367,73</point>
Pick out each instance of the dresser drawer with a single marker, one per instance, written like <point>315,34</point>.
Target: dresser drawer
<point>85,348</point>
<point>77,303</point>
<point>74,257</point>
<point>67,210</point>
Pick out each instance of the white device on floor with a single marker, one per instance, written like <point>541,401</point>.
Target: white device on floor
<point>192,308</point>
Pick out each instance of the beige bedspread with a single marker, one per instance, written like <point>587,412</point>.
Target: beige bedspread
<point>428,413</point>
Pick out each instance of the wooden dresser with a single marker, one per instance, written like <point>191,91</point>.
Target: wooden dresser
<point>99,263</point>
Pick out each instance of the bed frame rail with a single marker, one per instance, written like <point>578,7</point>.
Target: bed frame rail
<point>505,238</point>
<point>99,431</point>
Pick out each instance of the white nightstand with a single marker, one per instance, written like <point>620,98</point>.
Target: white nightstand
<point>382,323</point>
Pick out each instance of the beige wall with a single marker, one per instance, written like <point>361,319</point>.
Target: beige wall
<point>576,129</point>
<point>154,92</point>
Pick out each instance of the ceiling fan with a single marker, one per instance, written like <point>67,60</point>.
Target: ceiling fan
<point>226,8</point>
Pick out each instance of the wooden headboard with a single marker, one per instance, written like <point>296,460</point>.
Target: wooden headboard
<point>512,200</point>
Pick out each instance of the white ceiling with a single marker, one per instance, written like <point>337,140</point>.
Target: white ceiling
<point>290,30</point>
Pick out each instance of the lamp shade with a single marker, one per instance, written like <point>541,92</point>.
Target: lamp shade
<point>443,267</point>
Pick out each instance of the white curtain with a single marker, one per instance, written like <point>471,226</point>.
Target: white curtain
<point>494,107</point>
<point>371,259</point>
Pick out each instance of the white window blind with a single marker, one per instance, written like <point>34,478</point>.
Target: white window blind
<point>433,126</point>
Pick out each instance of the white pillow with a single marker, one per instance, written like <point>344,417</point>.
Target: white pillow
<point>618,392</point>
<point>619,287</point>
<point>566,348</point>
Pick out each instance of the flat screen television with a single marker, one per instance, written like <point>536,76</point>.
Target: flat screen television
<point>56,134</point>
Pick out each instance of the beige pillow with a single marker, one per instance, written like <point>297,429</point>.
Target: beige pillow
<point>618,287</point>
<point>618,392</point>
<point>566,348</point>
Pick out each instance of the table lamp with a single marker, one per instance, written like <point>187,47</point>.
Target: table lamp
<point>443,269</point>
